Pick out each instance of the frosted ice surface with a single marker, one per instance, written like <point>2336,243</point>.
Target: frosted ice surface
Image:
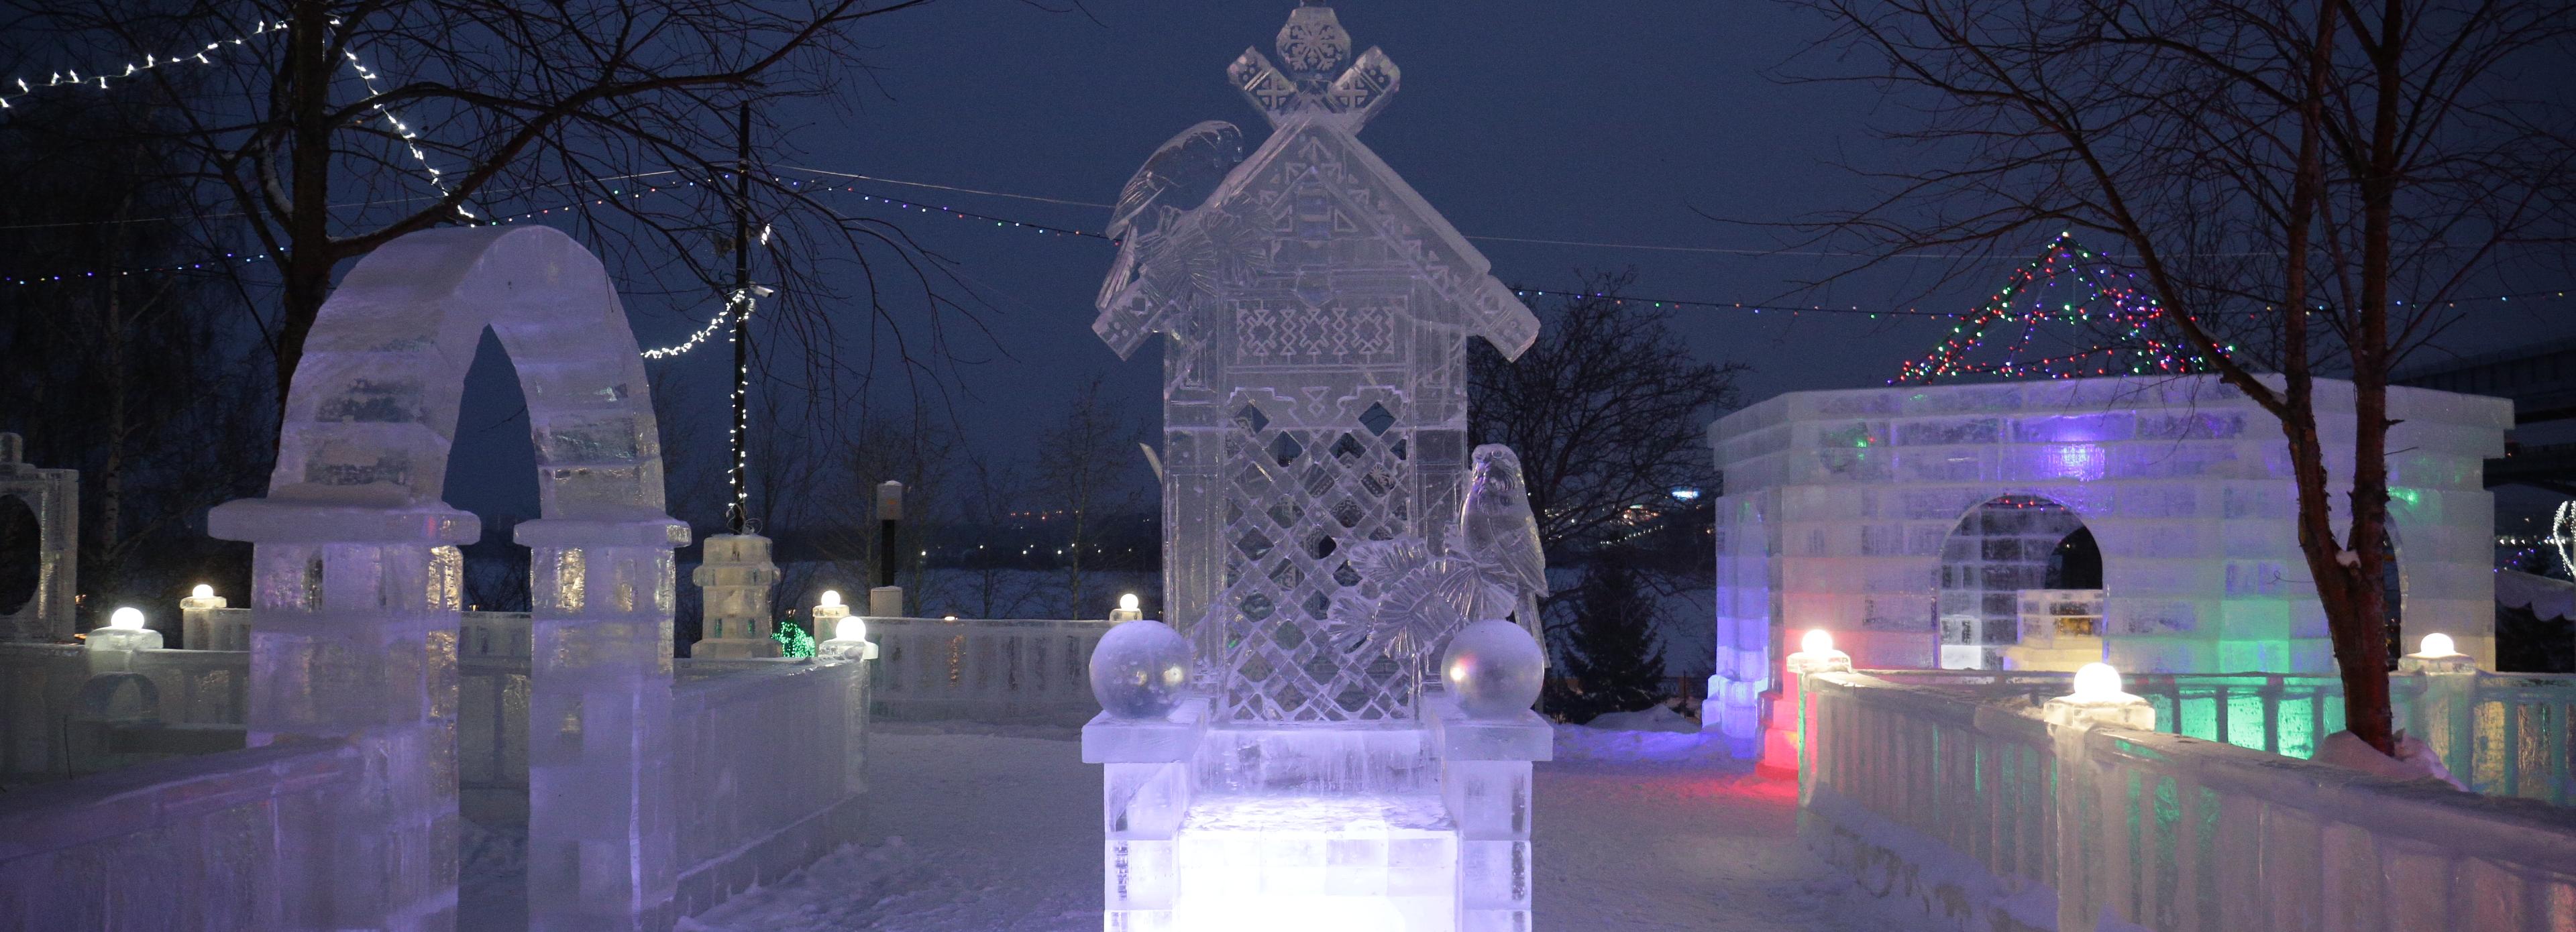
<point>1314,399</point>
<point>1908,520</point>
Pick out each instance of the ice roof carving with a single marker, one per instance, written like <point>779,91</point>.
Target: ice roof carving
<point>1176,258</point>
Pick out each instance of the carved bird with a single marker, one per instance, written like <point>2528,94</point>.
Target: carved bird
<point>1175,180</point>
<point>1501,534</point>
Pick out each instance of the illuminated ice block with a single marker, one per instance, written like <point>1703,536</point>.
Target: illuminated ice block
<point>1322,539</point>
<point>1914,521</point>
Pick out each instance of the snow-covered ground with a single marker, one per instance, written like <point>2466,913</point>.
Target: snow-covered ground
<point>998,830</point>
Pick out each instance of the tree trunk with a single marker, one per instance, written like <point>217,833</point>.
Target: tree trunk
<point>307,263</point>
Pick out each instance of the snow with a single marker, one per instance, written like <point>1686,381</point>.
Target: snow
<point>2414,761</point>
<point>977,829</point>
<point>1650,718</point>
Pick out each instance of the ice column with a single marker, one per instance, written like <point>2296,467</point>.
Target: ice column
<point>600,831</point>
<point>353,638</point>
<point>53,496</point>
<point>736,579</point>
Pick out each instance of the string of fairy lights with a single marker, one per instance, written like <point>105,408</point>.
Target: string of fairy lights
<point>71,78</point>
<point>410,139</point>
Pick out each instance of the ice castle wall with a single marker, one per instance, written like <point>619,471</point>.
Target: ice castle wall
<point>1838,503</point>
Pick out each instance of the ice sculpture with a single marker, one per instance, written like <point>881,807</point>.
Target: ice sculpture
<point>1315,374</point>
<point>1315,557</point>
<point>356,579</point>
<point>52,498</point>
<point>1502,534</point>
<point>736,577</point>
<point>1904,520</point>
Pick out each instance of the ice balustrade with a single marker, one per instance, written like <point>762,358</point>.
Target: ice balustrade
<point>1990,817</point>
<point>1840,504</point>
<point>2504,734</point>
<point>985,670</point>
<point>769,757</point>
<point>223,841</point>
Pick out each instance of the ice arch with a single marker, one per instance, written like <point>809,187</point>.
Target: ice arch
<point>2003,567</point>
<point>374,403</point>
<point>357,584</point>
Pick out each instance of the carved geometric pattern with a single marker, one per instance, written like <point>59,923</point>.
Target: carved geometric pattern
<point>1273,333</point>
<point>1296,500</point>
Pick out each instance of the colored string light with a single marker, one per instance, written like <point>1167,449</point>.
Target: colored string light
<point>2092,295</point>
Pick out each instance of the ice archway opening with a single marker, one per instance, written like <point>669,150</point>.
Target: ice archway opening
<point>2011,562</point>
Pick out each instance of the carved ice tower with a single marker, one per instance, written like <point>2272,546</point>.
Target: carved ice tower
<point>1317,312</point>
<point>1315,475</point>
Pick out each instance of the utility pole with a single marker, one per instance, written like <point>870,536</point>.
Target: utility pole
<point>738,511</point>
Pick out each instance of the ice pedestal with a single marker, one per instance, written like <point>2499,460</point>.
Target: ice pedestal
<point>354,639</point>
<point>1420,826</point>
<point>600,830</point>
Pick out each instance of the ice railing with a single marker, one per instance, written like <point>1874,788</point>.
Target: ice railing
<point>2507,734</point>
<point>223,841</point>
<point>1011,670</point>
<point>770,759</point>
<point>1964,800</point>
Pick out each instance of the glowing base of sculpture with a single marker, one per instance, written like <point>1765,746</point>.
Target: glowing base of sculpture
<point>1403,826</point>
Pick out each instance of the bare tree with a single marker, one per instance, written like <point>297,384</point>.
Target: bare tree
<point>1088,471</point>
<point>1606,410</point>
<point>995,584</point>
<point>2332,171</point>
<point>335,126</point>
<point>122,377</point>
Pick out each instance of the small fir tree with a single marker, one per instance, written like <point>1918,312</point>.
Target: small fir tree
<point>792,640</point>
<point>1613,655</point>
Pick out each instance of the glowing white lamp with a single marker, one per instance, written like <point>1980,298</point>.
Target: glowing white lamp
<point>831,597</point>
<point>111,649</point>
<point>2439,655</point>
<point>1816,641</point>
<point>1816,654</point>
<point>202,591</point>
<point>2096,682</point>
<point>1130,608</point>
<point>2098,700</point>
<point>852,628</point>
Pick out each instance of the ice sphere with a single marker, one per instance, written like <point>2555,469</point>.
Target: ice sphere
<point>1493,667</point>
<point>1139,669</point>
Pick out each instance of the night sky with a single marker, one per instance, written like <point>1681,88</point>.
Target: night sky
<point>1608,121</point>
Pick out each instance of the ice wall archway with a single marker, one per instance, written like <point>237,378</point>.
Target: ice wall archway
<point>2001,548</point>
<point>356,585</point>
